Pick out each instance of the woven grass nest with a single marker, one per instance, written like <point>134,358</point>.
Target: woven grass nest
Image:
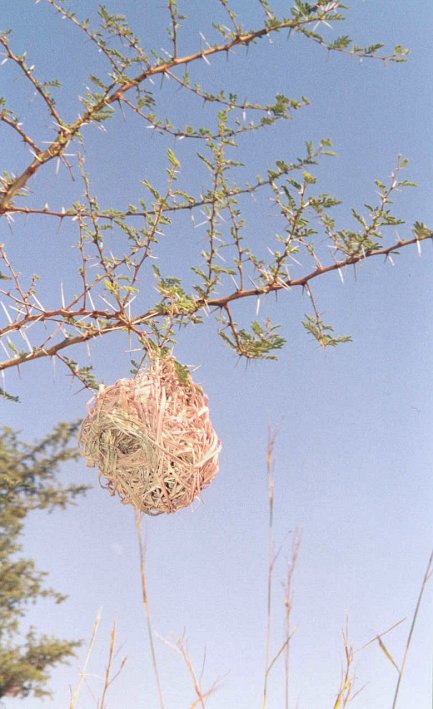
<point>151,438</point>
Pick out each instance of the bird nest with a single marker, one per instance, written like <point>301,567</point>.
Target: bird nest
<point>151,438</point>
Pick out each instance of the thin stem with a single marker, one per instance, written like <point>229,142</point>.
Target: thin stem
<point>427,575</point>
<point>92,36</point>
<point>174,24</point>
<point>23,135</point>
<point>20,62</point>
<point>271,559</point>
<point>200,696</point>
<point>76,694</point>
<point>108,681</point>
<point>145,596</point>
<point>347,679</point>
<point>288,603</point>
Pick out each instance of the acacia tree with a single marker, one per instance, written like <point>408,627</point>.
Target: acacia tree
<point>116,245</point>
<point>28,481</point>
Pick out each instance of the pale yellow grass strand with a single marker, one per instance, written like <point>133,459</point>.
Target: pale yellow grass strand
<point>83,672</point>
<point>145,597</point>
<point>201,701</point>
<point>378,638</point>
<point>108,679</point>
<point>180,647</point>
<point>271,560</point>
<point>426,578</point>
<point>288,604</point>
<point>385,632</point>
<point>347,679</point>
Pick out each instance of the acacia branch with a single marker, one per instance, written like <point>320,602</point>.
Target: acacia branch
<point>112,215</point>
<point>17,127</point>
<point>115,321</point>
<point>117,278</point>
<point>115,93</point>
<point>28,72</point>
<point>92,36</point>
<point>320,271</point>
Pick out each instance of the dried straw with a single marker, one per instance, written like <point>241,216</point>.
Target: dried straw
<point>152,439</point>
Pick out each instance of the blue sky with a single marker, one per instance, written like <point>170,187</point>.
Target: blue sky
<point>354,450</point>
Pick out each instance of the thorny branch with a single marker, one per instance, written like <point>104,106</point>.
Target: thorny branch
<point>116,91</point>
<point>117,248</point>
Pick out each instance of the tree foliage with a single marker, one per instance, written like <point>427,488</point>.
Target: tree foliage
<point>28,482</point>
<point>116,246</point>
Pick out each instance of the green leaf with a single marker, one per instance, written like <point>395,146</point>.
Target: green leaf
<point>309,179</point>
<point>7,396</point>
<point>172,158</point>
<point>422,231</point>
<point>322,333</point>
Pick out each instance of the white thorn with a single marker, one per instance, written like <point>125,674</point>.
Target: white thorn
<point>38,303</point>
<point>107,303</point>
<point>6,313</point>
<point>26,340</point>
<point>6,352</point>
<point>234,281</point>
<point>91,300</point>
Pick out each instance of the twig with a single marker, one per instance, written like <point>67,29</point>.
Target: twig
<point>20,62</point>
<point>292,283</point>
<point>23,135</point>
<point>174,25</point>
<point>114,93</point>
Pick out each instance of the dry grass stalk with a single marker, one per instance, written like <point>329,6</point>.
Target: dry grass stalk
<point>108,680</point>
<point>288,605</point>
<point>283,649</point>
<point>379,639</point>
<point>76,694</point>
<point>427,575</point>
<point>347,679</point>
<point>202,695</point>
<point>271,559</point>
<point>152,439</point>
<point>145,596</point>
